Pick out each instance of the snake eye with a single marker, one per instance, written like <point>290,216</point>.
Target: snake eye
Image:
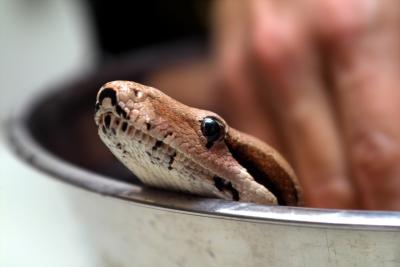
<point>212,129</point>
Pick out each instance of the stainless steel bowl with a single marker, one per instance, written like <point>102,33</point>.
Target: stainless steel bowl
<point>132,225</point>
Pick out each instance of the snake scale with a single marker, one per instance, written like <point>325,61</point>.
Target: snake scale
<point>169,145</point>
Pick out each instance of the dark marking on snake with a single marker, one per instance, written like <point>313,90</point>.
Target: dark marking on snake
<point>113,131</point>
<point>223,185</point>
<point>104,129</point>
<point>148,126</point>
<point>153,160</point>
<point>157,145</point>
<point>171,161</point>
<point>124,126</point>
<point>107,121</point>
<point>108,93</point>
<point>219,183</point>
<point>119,146</point>
<point>168,134</point>
<point>121,112</point>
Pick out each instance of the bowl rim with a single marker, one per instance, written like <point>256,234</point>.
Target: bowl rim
<point>22,142</point>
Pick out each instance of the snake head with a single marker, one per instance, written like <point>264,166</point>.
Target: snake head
<point>170,145</point>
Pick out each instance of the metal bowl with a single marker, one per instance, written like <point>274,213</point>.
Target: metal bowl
<point>133,225</point>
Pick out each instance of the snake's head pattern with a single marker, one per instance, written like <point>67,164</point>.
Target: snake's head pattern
<point>170,145</point>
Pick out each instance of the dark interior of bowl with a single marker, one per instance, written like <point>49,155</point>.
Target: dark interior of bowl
<point>62,121</point>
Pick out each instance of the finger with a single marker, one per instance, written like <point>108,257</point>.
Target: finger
<point>240,106</point>
<point>284,54</point>
<point>366,68</point>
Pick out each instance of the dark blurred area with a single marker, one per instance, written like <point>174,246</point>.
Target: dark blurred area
<point>122,26</point>
<point>157,43</point>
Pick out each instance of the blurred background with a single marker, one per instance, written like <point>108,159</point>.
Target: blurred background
<point>45,43</point>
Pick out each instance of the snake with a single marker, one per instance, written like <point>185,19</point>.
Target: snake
<point>172,146</point>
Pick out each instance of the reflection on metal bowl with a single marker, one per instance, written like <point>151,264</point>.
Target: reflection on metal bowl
<point>133,225</point>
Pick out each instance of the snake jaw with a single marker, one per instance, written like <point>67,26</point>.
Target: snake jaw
<point>155,161</point>
<point>144,142</point>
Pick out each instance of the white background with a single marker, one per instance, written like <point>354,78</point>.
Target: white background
<point>42,42</point>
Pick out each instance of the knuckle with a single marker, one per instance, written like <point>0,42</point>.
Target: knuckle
<point>374,155</point>
<point>271,46</point>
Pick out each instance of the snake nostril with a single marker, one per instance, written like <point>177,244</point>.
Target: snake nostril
<point>108,93</point>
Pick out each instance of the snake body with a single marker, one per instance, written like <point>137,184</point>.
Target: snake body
<point>169,145</point>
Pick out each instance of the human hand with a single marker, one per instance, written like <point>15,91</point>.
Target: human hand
<point>318,79</point>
